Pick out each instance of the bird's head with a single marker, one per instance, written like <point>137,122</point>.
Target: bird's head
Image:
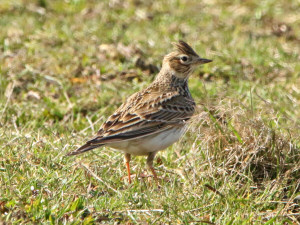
<point>184,60</point>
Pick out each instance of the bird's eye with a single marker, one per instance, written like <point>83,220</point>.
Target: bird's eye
<point>184,58</point>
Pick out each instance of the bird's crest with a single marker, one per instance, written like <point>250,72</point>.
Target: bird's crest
<point>184,48</point>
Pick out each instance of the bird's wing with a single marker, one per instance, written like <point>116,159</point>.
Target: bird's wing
<point>142,114</point>
<point>148,113</point>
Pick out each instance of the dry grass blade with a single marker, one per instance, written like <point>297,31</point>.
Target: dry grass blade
<point>98,178</point>
<point>214,190</point>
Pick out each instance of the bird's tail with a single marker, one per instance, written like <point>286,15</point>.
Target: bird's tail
<point>84,148</point>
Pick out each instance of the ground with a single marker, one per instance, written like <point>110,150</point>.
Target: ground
<point>65,66</point>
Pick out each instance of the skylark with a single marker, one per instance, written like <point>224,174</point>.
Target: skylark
<point>156,117</point>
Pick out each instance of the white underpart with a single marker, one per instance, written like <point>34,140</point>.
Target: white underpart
<point>150,143</point>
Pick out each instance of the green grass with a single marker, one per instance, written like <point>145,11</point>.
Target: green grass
<point>65,66</point>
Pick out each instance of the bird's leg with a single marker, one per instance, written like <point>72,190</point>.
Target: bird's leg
<point>150,164</point>
<point>127,160</point>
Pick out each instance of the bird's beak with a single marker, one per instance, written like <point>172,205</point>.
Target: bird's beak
<point>203,61</point>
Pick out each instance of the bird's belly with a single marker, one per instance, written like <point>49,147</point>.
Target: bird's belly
<point>150,143</point>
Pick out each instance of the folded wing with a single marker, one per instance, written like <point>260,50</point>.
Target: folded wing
<point>143,114</point>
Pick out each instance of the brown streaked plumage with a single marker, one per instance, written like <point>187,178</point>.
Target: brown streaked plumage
<point>185,48</point>
<point>156,117</point>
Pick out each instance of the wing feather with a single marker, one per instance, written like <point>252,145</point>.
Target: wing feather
<point>143,114</point>
<point>165,109</point>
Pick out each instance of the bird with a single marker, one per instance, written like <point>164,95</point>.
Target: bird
<point>154,118</point>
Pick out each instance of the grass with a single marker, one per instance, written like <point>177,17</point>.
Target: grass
<point>65,66</point>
